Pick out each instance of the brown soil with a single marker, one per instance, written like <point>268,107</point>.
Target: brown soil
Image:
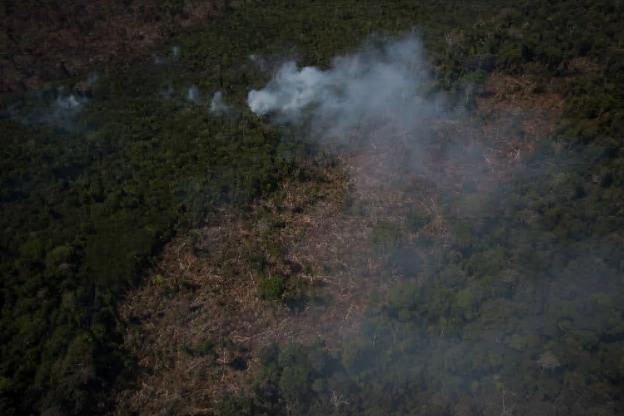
<point>204,287</point>
<point>45,41</point>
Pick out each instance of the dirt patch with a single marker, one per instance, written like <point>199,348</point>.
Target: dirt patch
<point>196,328</point>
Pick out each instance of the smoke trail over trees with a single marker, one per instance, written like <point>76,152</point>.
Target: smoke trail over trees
<point>385,82</point>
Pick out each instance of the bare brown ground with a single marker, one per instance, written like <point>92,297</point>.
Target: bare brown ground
<point>209,292</point>
<point>318,233</point>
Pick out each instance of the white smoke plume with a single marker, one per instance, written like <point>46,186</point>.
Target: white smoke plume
<point>69,102</point>
<point>192,94</point>
<point>217,104</point>
<point>384,84</point>
<point>64,111</point>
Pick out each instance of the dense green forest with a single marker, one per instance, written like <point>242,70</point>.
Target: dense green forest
<point>521,312</point>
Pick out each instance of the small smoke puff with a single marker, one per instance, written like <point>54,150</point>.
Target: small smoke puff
<point>217,105</point>
<point>175,52</point>
<point>69,102</point>
<point>382,83</point>
<point>62,112</point>
<point>192,94</point>
<point>58,107</point>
